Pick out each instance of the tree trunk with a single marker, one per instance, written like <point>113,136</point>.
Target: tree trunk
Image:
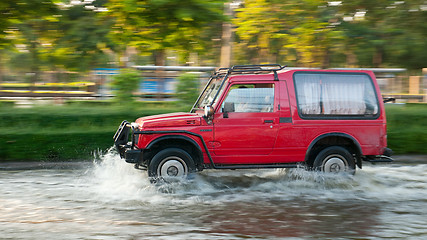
<point>35,68</point>
<point>377,59</point>
<point>326,59</point>
<point>160,60</point>
<point>1,69</point>
<point>351,58</point>
<point>225,60</point>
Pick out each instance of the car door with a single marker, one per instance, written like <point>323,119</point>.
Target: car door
<point>248,121</point>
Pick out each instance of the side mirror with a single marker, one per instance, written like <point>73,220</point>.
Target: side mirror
<point>209,112</point>
<point>228,107</point>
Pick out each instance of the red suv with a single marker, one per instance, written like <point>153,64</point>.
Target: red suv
<point>265,116</point>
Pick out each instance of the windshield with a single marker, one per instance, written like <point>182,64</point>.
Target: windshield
<point>212,90</point>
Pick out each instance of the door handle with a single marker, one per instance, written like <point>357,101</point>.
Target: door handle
<point>268,121</point>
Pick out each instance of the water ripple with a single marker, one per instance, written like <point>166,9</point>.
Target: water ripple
<point>111,200</point>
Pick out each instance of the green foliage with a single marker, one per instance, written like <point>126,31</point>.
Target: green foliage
<point>187,88</point>
<point>319,33</point>
<point>70,118</point>
<point>83,42</point>
<point>64,132</point>
<point>51,36</point>
<point>53,146</point>
<point>60,36</point>
<point>76,132</point>
<point>124,84</point>
<point>286,31</point>
<point>155,26</point>
<point>19,11</point>
<point>27,23</point>
<point>407,128</point>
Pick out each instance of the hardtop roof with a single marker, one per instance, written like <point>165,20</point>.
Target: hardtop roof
<point>273,71</point>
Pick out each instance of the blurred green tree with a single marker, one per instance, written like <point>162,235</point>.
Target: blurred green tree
<point>320,33</point>
<point>299,32</point>
<point>14,13</point>
<point>382,33</point>
<point>155,26</point>
<point>70,37</point>
<point>187,89</point>
<point>36,36</point>
<point>54,35</point>
<point>258,26</point>
<point>83,43</point>
<point>125,84</point>
<point>407,46</point>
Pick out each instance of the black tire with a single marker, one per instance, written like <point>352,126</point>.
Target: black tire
<point>334,159</point>
<point>170,164</point>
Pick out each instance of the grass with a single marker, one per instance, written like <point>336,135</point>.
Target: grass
<point>407,128</point>
<point>76,131</point>
<point>72,132</point>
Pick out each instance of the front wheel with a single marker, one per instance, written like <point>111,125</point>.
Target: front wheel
<point>169,165</point>
<point>335,159</point>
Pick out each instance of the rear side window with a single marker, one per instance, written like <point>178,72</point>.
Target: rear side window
<point>335,95</point>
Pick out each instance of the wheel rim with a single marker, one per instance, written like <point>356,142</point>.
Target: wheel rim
<point>172,168</point>
<point>334,164</point>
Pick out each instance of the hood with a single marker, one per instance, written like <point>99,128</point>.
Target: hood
<point>169,120</point>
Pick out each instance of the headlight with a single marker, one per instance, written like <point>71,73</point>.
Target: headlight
<point>134,125</point>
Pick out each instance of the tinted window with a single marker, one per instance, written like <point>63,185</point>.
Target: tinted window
<point>320,94</point>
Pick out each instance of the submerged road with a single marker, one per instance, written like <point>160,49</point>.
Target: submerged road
<point>109,199</point>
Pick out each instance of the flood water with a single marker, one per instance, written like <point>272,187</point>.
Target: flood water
<point>109,199</point>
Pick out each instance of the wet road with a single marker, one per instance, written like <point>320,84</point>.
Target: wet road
<point>109,199</point>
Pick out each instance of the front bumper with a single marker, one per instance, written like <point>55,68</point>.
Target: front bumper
<point>126,149</point>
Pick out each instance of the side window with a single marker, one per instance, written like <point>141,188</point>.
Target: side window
<point>250,98</point>
<point>322,94</point>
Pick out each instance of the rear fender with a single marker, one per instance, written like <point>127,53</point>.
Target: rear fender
<point>341,139</point>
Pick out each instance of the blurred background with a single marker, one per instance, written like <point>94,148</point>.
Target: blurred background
<point>80,66</point>
<point>73,47</point>
<point>72,70</point>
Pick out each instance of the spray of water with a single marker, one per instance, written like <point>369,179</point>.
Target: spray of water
<point>112,179</point>
<point>112,197</point>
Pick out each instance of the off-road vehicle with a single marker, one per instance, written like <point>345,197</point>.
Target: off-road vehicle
<point>265,116</point>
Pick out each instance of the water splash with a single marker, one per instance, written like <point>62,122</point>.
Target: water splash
<point>115,200</point>
<point>112,179</point>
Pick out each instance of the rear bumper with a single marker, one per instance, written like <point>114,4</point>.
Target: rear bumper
<point>388,152</point>
<point>385,157</point>
<point>126,149</point>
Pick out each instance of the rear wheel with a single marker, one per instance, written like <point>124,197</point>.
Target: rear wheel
<point>335,159</point>
<point>170,165</point>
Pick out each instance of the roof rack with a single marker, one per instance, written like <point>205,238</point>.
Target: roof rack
<point>259,68</point>
<point>224,73</point>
